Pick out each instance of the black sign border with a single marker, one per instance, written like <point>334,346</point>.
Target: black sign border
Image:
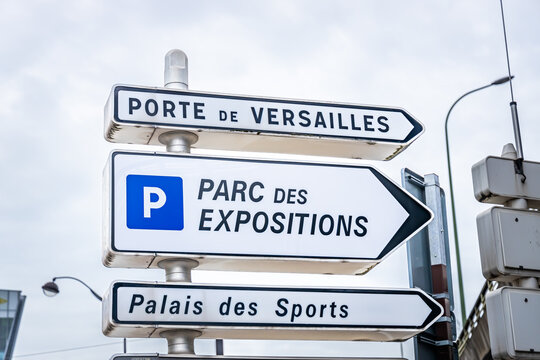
<point>436,310</point>
<point>415,131</point>
<point>409,203</point>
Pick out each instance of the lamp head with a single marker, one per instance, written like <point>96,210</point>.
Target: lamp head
<point>50,289</point>
<point>502,80</point>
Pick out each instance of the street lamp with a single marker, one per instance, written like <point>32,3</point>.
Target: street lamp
<point>51,289</point>
<point>456,242</point>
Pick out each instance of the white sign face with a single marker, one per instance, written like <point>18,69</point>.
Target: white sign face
<point>155,356</point>
<point>217,209</point>
<point>133,114</point>
<point>249,309</point>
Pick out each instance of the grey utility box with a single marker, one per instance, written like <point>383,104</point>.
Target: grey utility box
<point>509,242</point>
<point>514,323</point>
<point>496,182</point>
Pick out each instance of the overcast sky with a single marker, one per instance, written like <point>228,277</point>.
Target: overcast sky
<point>59,60</point>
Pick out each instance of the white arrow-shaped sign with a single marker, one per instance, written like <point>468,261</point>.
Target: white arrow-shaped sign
<point>258,215</point>
<point>218,311</point>
<point>155,356</point>
<point>230,122</point>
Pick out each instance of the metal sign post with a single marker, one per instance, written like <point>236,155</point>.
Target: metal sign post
<point>429,267</point>
<point>178,270</point>
<point>202,357</point>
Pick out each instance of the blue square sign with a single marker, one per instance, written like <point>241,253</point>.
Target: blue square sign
<point>155,202</point>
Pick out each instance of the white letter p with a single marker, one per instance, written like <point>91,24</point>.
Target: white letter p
<point>148,204</point>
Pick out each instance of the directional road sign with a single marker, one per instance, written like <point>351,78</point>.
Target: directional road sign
<point>243,312</point>
<point>253,215</point>
<point>139,115</point>
<point>155,356</point>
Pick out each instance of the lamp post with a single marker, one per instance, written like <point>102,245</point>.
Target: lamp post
<point>51,289</point>
<point>454,223</point>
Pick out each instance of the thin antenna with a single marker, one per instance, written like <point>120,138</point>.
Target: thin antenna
<point>507,56</point>
<point>518,164</point>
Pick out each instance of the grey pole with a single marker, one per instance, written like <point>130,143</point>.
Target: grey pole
<point>430,267</point>
<point>452,203</point>
<point>178,270</point>
<point>176,77</point>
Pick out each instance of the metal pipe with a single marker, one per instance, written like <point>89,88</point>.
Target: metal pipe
<point>500,81</point>
<point>517,132</point>
<point>96,295</point>
<point>452,204</point>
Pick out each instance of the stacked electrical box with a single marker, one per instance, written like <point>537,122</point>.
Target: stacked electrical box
<point>509,238</point>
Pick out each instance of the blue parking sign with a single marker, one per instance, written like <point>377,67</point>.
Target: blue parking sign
<point>154,202</point>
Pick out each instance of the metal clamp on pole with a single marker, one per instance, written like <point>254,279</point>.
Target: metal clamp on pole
<point>447,319</point>
<point>441,296</point>
<point>178,270</point>
<point>510,152</point>
<point>437,343</point>
<point>180,341</point>
<point>518,162</point>
<point>178,141</point>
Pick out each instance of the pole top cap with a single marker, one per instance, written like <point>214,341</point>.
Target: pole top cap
<point>509,151</point>
<point>176,69</point>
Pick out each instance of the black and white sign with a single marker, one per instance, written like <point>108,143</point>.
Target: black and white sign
<point>230,122</point>
<point>155,356</point>
<point>258,215</point>
<point>146,309</point>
